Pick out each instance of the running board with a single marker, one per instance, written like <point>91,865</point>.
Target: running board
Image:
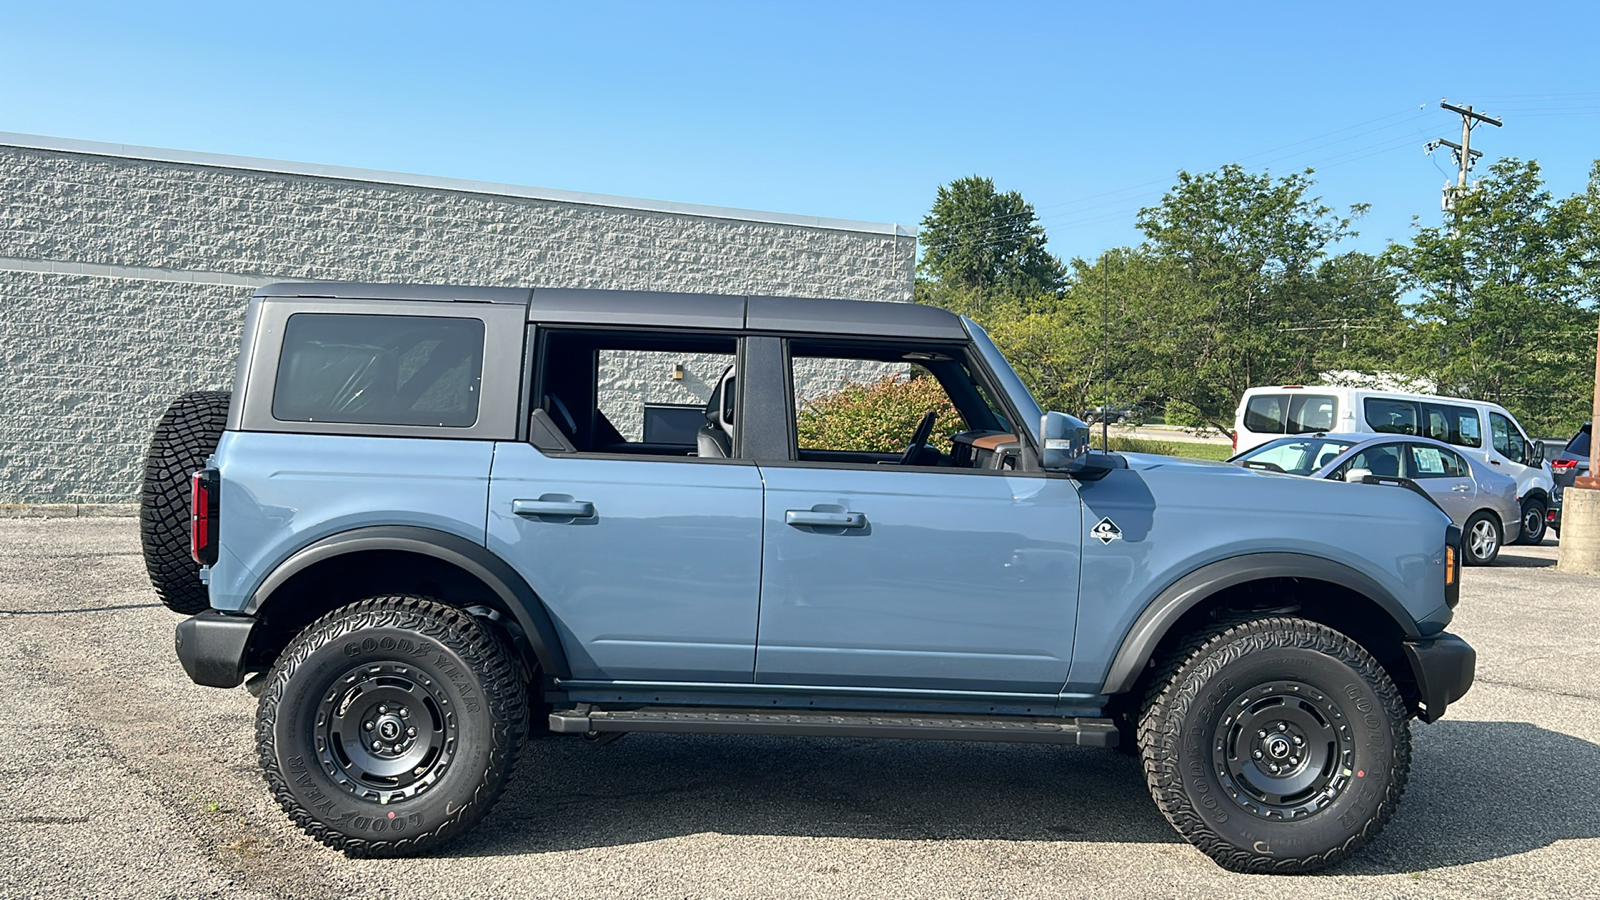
<point>706,720</point>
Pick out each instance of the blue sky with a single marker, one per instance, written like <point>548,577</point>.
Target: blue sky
<point>850,110</point>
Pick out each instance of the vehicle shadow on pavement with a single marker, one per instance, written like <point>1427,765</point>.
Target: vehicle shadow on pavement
<point>569,795</point>
<point>1481,791</point>
<point>1514,561</point>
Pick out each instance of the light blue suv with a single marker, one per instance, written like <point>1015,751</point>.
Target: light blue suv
<point>430,523</point>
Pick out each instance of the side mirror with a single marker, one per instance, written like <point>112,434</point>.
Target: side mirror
<point>1535,453</point>
<point>1066,442</point>
<point>1356,476</point>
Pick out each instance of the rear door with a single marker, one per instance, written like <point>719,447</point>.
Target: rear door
<point>647,554</point>
<point>1445,476</point>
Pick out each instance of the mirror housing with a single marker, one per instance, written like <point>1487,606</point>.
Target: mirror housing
<point>1535,453</point>
<point>1066,442</point>
<point>1356,476</point>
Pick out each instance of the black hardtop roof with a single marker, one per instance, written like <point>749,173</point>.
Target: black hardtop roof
<point>662,308</point>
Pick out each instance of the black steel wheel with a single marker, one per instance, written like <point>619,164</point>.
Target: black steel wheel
<point>1481,539</point>
<point>1275,745</point>
<point>391,725</point>
<point>1533,522</point>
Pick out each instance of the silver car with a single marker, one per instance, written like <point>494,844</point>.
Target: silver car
<point>1481,501</point>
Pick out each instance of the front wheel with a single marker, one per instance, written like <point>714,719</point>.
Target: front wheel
<point>391,725</point>
<point>1481,539</point>
<point>1277,745</point>
<point>1533,522</point>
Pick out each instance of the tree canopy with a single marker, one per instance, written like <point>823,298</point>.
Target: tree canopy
<point>979,242</point>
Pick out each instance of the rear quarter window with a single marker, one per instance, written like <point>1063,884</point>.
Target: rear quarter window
<point>1264,414</point>
<point>1390,416</point>
<point>379,370</point>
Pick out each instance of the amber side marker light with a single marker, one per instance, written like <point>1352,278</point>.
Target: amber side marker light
<point>1449,565</point>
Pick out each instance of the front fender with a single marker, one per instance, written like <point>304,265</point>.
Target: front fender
<point>1192,589</point>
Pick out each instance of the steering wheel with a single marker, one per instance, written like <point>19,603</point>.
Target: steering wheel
<point>920,438</point>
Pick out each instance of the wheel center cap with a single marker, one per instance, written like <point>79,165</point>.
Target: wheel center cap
<point>1278,747</point>
<point>390,728</point>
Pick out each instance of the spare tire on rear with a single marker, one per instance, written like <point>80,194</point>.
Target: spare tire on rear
<point>184,438</point>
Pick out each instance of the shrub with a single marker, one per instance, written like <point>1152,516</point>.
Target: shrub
<point>877,416</point>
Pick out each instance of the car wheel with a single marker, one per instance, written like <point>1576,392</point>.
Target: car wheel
<point>184,438</point>
<point>1533,523</point>
<point>391,725</point>
<point>1276,745</point>
<point>1481,539</point>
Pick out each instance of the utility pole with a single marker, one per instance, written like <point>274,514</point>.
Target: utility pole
<point>1464,155</point>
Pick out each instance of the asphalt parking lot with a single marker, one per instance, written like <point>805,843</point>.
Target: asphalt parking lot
<point>123,779</point>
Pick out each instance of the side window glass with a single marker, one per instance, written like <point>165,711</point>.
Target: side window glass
<point>640,394</point>
<point>1432,462</point>
<point>1381,460</point>
<point>866,405</point>
<point>1264,414</point>
<point>1310,413</point>
<point>1469,427</point>
<point>379,370</point>
<point>1391,416</point>
<point>1507,439</point>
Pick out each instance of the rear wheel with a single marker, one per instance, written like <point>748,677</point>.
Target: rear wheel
<point>1277,745</point>
<point>391,725</point>
<point>1481,539</point>
<point>184,438</point>
<point>1533,522</point>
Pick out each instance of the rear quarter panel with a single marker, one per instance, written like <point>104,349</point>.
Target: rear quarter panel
<point>1177,516</point>
<point>281,492</point>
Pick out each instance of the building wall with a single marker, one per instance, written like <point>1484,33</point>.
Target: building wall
<point>124,274</point>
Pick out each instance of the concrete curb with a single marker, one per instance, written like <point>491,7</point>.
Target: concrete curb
<point>67,510</point>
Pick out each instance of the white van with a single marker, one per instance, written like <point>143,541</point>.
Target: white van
<point>1484,430</point>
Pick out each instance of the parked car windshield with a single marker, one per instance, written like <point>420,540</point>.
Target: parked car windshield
<point>1295,456</point>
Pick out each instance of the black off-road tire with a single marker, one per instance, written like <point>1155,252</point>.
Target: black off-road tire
<point>1482,539</point>
<point>391,661</point>
<point>1533,523</point>
<point>1223,692</point>
<point>186,435</point>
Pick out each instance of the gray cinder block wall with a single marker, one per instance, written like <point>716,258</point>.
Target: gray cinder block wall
<point>124,273</point>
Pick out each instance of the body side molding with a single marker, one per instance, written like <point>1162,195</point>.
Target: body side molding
<point>1190,590</point>
<point>471,558</point>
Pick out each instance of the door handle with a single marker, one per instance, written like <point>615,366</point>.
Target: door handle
<point>825,519</point>
<point>1462,488</point>
<point>576,509</point>
<point>1494,462</point>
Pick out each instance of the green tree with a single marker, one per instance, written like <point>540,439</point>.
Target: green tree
<point>880,416</point>
<point>978,243</point>
<point>1508,286</point>
<point>1249,294</point>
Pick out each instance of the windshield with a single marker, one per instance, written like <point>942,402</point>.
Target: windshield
<point>1295,456</point>
<point>1009,382</point>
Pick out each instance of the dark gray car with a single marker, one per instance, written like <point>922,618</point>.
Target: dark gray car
<point>1481,501</point>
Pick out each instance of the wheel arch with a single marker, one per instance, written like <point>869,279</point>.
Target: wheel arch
<point>1269,583</point>
<point>351,565</point>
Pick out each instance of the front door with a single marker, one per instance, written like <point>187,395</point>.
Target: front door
<point>893,563</point>
<point>1446,477</point>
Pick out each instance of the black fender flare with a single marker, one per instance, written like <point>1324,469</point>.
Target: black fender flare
<point>1139,644</point>
<point>474,559</point>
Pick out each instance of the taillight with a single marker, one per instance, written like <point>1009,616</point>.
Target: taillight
<point>1235,437</point>
<point>203,505</point>
<point>1561,465</point>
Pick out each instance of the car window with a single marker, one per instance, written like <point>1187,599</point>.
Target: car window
<point>1505,436</point>
<point>1296,457</point>
<point>863,405</point>
<point>1579,445</point>
<point>1435,462</point>
<point>1264,414</point>
<point>640,393</point>
<point>379,370</point>
<point>1452,424</point>
<point>1383,459</point>
<point>1310,413</point>
<point>1390,416</point>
